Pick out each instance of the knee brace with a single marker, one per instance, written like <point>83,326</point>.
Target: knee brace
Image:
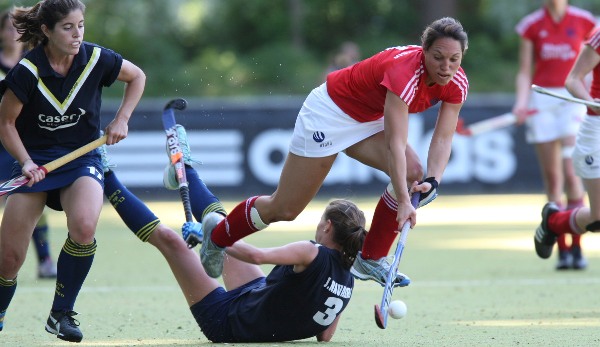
<point>593,226</point>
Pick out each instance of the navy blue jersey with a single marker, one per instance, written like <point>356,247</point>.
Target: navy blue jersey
<point>293,306</point>
<point>61,111</point>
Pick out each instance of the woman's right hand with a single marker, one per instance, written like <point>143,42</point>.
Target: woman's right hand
<point>406,212</point>
<point>31,170</point>
<point>522,113</point>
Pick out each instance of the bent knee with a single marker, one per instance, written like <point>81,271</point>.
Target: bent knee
<point>164,237</point>
<point>10,264</point>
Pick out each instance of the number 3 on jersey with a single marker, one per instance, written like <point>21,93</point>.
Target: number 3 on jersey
<point>334,305</point>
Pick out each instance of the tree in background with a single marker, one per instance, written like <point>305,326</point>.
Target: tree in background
<point>263,47</point>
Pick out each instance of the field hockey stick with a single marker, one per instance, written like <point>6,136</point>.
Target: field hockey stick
<point>381,311</point>
<point>498,122</point>
<point>22,180</point>
<point>176,159</point>
<point>543,90</point>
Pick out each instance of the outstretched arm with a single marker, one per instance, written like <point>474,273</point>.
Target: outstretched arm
<point>441,143</point>
<point>300,254</point>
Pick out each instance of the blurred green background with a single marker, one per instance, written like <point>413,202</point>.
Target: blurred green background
<point>273,47</point>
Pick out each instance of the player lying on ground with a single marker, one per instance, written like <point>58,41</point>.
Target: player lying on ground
<point>302,297</point>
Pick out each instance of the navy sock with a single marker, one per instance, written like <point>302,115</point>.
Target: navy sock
<point>7,291</point>
<point>202,199</point>
<point>136,215</point>
<point>40,239</point>
<point>74,263</point>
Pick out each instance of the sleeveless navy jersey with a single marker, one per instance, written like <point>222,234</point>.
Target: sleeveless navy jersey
<point>293,306</point>
<point>61,111</point>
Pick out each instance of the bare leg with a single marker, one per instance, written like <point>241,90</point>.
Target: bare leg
<point>20,216</point>
<point>573,184</point>
<point>82,202</point>
<point>373,152</point>
<point>585,215</point>
<point>550,161</point>
<point>300,181</point>
<point>184,263</point>
<point>237,272</point>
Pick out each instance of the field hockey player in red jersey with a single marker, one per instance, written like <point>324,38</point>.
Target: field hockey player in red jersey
<point>50,106</point>
<point>586,157</point>
<point>363,110</point>
<point>551,37</point>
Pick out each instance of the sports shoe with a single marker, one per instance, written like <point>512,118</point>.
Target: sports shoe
<point>64,326</point>
<point>47,269</point>
<point>192,233</point>
<point>106,164</point>
<point>579,261</point>
<point>565,260</point>
<point>544,239</point>
<point>211,255</point>
<point>376,270</point>
<point>183,143</point>
<point>170,178</point>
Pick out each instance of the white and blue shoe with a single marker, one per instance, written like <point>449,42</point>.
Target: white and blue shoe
<point>376,270</point>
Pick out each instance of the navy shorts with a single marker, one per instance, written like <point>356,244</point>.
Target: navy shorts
<point>86,165</point>
<point>212,312</point>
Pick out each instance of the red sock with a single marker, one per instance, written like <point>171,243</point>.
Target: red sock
<point>381,236</point>
<point>576,240</point>
<point>236,225</point>
<point>561,241</point>
<point>559,222</point>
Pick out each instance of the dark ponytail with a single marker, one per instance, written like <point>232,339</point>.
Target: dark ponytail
<point>348,221</point>
<point>29,20</point>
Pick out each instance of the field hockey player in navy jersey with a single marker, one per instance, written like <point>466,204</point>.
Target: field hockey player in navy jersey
<point>51,106</point>
<point>302,297</point>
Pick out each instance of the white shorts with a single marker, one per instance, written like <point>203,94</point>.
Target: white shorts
<point>556,118</point>
<point>323,129</point>
<point>586,156</point>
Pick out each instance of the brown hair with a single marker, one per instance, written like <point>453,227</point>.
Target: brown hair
<point>29,20</point>
<point>348,222</point>
<point>444,27</point>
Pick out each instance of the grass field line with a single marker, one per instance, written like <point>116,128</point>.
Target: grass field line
<point>526,282</point>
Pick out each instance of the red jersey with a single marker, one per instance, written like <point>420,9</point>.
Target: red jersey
<point>360,89</point>
<point>555,44</point>
<point>594,43</point>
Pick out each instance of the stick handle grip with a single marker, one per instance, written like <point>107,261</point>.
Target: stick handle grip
<point>55,164</point>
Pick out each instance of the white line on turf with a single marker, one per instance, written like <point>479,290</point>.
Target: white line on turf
<point>531,282</point>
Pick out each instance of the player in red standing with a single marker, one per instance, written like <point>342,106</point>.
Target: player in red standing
<point>348,113</point>
<point>551,38</point>
<point>586,157</point>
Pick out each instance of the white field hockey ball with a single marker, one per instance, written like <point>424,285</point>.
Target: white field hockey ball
<point>397,309</point>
